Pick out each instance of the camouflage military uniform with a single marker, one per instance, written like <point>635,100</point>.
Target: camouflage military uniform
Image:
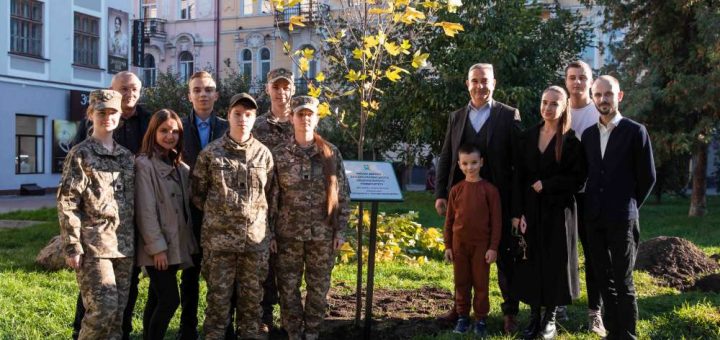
<point>272,132</point>
<point>304,239</point>
<point>230,181</point>
<point>96,213</point>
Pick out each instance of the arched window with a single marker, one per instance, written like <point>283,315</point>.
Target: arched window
<point>246,63</point>
<point>264,63</point>
<point>149,71</point>
<point>185,67</point>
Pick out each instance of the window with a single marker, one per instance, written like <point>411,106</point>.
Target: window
<point>26,27</point>
<point>264,63</point>
<point>247,8</point>
<point>149,9</point>
<point>187,9</point>
<point>186,65</point>
<point>149,71</point>
<point>29,144</point>
<point>246,63</point>
<point>87,40</point>
<point>312,70</point>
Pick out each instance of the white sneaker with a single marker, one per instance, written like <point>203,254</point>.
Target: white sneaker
<point>595,323</point>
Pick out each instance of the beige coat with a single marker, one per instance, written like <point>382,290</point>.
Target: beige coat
<point>161,221</point>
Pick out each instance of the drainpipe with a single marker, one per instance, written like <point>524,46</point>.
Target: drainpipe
<point>217,40</point>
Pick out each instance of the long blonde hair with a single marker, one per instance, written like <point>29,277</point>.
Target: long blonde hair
<point>563,122</point>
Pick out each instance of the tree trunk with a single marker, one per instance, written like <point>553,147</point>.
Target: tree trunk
<point>698,202</point>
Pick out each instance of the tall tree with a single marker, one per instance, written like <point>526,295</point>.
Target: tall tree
<point>669,63</point>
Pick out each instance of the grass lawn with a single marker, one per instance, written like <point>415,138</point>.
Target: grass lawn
<point>37,304</point>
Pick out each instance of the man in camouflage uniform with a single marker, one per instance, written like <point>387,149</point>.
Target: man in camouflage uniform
<point>307,234</point>
<point>230,180</point>
<point>271,129</point>
<point>96,215</point>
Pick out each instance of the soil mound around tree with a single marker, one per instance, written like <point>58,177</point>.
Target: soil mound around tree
<point>397,314</point>
<point>709,283</point>
<point>677,262</point>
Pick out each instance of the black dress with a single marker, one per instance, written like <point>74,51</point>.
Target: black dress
<point>549,275</point>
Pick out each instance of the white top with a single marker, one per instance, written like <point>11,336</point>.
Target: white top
<point>605,132</point>
<point>584,118</point>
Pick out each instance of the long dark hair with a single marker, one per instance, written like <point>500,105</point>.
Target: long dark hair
<point>563,122</point>
<point>149,145</point>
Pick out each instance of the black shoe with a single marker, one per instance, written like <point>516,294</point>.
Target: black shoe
<point>549,329</point>
<point>533,328</point>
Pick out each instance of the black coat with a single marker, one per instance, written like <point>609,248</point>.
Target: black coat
<point>549,276</point>
<point>139,122</point>
<point>191,136</point>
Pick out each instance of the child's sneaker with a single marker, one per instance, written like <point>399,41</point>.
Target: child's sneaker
<point>463,325</point>
<point>480,328</point>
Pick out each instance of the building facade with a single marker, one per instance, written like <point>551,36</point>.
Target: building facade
<point>52,53</point>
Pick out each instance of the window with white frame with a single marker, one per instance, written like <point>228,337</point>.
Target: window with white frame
<point>149,71</point>
<point>185,65</point>
<point>29,144</point>
<point>149,9</point>
<point>264,63</point>
<point>246,63</point>
<point>26,26</point>
<point>187,9</point>
<point>247,7</point>
<point>87,40</point>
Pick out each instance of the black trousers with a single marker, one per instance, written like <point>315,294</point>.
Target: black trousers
<point>593,291</point>
<point>613,247</point>
<point>161,303</point>
<point>506,271</point>
<point>129,308</point>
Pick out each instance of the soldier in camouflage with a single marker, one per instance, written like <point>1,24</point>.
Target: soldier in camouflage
<point>230,180</point>
<point>96,215</point>
<point>309,213</point>
<point>273,128</point>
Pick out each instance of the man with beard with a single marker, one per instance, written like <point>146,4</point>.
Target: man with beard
<point>494,128</point>
<point>621,173</point>
<point>129,133</point>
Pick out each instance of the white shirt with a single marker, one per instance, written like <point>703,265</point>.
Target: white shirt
<point>584,118</point>
<point>605,132</point>
<point>478,116</point>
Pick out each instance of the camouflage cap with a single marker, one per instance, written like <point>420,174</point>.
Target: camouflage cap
<point>280,73</point>
<point>105,99</point>
<point>304,102</point>
<point>243,98</point>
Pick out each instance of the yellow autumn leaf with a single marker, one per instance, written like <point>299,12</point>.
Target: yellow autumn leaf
<point>292,3</point>
<point>405,46</point>
<point>392,48</point>
<point>400,3</point>
<point>450,28</point>
<point>370,41</point>
<point>286,47</point>
<point>420,59</point>
<point>308,53</point>
<point>324,111</point>
<point>314,91</point>
<point>364,103</point>
<point>453,5</point>
<point>381,11</point>
<point>296,20</point>
<point>320,77</point>
<point>279,5</point>
<point>393,73</point>
<point>411,15</point>
<point>303,64</point>
<point>357,53</point>
<point>354,76</point>
<point>374,105</point>
<point>332,40</point>
<point>432,5</point>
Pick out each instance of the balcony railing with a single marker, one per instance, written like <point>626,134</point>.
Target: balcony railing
<point>311,13</point>
<point>155,28</point>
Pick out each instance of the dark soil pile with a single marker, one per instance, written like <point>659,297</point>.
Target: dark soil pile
<point>397,314</point>
<point>675,261</point>
<point>710,283</point>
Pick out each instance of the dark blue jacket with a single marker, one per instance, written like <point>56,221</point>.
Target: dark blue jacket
<point>618,183</point>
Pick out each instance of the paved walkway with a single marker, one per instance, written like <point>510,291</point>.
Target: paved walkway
<point>12,203</point>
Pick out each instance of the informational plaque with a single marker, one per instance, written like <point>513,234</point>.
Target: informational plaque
<point>372,181</point>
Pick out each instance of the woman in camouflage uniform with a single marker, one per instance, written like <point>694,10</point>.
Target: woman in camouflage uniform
<point>310,213</point>
<point>96,214</point>
<point>230,179</point>
<point>166,242</point>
